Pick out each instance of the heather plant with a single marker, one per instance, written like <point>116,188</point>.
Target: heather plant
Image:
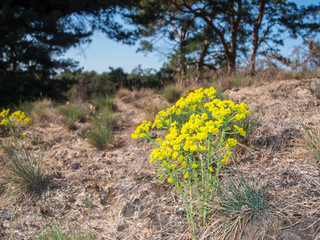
<point>197,146</point>
<point>21,170</point>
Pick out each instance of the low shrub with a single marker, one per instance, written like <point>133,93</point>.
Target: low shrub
<point>26,107</point>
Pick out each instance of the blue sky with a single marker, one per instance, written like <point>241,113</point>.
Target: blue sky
<point>103,53</point>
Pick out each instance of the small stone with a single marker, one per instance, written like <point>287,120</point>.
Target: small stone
<point>179,210</point>
<point>71,199</point>
<point>6,224</point>
<point>108,162</point>
<point>67,207</point>
<point>78,204</point>
<point>75,165</point>
<point>103,154</point>
<point>120,228</point>
<point>133,199</point>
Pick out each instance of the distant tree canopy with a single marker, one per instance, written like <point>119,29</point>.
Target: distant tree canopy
<point>91,84</point>
<point>216,34</point>
<point>35,33</point>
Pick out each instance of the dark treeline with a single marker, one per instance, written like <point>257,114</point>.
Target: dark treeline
<point>216,35</point>
<point>86,85</point>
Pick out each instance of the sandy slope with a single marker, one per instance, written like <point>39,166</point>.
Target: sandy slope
<point>117,195</point>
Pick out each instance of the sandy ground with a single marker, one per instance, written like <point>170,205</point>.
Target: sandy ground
<point>116,193</point>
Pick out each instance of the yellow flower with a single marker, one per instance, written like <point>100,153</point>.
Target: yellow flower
<point>142,131</point>
<point>180,158</point>
<point>173,167</point>
<point>240,130</point>
<point>24,134</point>
<point>202,148</point>
<point>170,179</point>
<point>175,155</point>
<point>186,175</point>
<point>26,121</point>
<point>194,166</point>
<point>4,113</point>
<point>4,122</point>
<point>224,159</point>
<point>210,169</point>
<point>231,143</point>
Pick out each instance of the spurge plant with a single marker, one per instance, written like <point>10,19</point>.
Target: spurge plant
<point>197,146</point>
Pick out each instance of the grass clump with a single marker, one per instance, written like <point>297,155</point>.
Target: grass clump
<point>236,201</point>
<point>317,91</point>
<point>21,170</point>
<point>100,137</point>
<point>106,118</point>
<point>172,93</point>
<point>237,196</point>
<point>101,103</point>
<point>26,107</point>
<point>101,133</point>
<point>72,114</point>
<point>311,136</point>
<point>41,108</point>
<point>56,232</point>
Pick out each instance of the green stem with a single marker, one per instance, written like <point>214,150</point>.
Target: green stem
<point>219,160</point>
<point>189,210</point>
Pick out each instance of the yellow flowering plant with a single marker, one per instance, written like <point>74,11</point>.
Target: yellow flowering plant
<point>12,122</point>
<point>197,145</point>
<point>21,170</point>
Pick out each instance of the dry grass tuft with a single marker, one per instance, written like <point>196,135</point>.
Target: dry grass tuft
<point>128,96</point>
<point>151,106</point>
<point>172,93</point>
<point>122,92</point>
<point>41,110</point>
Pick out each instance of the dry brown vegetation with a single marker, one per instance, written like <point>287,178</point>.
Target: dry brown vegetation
<point>116,192</point>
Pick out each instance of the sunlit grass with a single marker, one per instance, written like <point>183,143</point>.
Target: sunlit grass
<point>72,114</point>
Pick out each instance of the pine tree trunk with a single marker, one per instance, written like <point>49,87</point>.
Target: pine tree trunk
<point>255,37</point>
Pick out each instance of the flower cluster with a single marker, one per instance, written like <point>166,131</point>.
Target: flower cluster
<point>12,122</point>
<point>17,116</point>
<point>142,131</point>
<point>199,126</point>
